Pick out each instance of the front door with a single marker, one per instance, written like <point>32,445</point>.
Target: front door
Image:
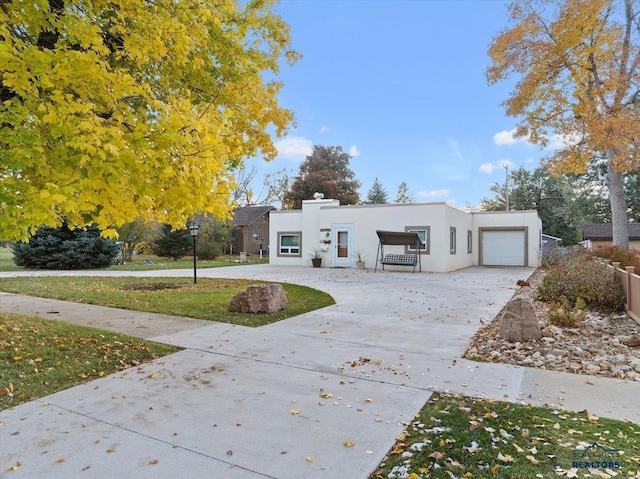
<point>341,242</point>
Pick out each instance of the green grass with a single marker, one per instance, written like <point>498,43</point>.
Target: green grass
<point>6,261</point>
<point>461,437</point>
<point>138,263</point>
<point>209,299</point>
<point>39,357</point>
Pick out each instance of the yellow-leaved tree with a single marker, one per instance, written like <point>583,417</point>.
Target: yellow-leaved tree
<point>116,109</point>
<point>577,63</point>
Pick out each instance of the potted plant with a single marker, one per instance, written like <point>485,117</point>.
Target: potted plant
<point>359,257</point>
<point>316,259</point>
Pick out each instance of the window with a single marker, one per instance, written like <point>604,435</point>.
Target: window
<point>452,240</point>
<point>424,232</point>
<point>469,241</point>
<point>289,244</point>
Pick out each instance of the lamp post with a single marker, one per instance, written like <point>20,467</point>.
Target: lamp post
<point>194,232</point>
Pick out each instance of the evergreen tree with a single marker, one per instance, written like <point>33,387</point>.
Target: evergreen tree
<point>64,248</point>
<point>172,244</point>
<point>403,195</point>
<point>377,195</point>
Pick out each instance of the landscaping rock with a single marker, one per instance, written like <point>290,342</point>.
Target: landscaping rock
<point>602,345</point>
<point>519,321</point>
<point>260,298</point>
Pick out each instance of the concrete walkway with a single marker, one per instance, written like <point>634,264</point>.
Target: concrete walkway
<point>280,401</point>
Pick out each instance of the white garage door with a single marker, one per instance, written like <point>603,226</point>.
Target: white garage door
<point>503,248</point>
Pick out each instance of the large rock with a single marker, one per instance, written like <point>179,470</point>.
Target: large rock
<point>259,298</point>
<point>519,321</point>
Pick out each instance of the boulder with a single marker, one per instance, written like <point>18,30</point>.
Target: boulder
<point>259,298</point>
<point>519,320</point>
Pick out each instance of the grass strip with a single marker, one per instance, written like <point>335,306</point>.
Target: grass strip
<point>208,299</point>
<point>461,437</point>
<point>39,357</point>
<point>148,262</point>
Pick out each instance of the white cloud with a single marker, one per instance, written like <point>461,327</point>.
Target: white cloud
<point>489,167</point>
<point>486,168</point>
<point>294,148</point>
<point>353,151</point>
<point>323,130</point>
<point>505,137</point>
<point>558,142</point>
<point>434,193</point>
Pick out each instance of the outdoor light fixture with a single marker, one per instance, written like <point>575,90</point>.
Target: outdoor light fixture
<point>194,232</point>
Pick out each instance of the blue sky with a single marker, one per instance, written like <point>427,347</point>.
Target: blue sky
<point>400,85</point>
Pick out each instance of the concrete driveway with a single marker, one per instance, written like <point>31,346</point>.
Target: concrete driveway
<point>282,400</point>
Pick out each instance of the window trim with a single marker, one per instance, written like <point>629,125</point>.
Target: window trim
<point>453,240</point>
<point>427,244</point>
<point>289,233</point>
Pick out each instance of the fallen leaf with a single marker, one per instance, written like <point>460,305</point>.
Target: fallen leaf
<point>505,458</point>
<point>15,467</point>
<point>60,461</point>
<point>348,443</point>
<point>111,449</point>
<point>368,400</point>
<point>153,462</point>
<point>229,452</point>
<point>309,458</point>
<point>436,455</point>
<point>294,411</point>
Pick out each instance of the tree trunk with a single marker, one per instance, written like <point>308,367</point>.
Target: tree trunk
<point>618,203</point>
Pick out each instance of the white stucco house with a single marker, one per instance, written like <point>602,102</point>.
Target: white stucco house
<point>452,237</point>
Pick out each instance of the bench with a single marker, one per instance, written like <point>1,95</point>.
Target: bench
<point>399,238</point>
<point>399,259</point>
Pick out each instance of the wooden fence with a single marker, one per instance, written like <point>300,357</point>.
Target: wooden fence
<point>630,286</point>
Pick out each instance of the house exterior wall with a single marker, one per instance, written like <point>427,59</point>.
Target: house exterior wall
<point>286,221</point>
<point>596,244</point>
<point>318,219</point>
<point>243,239</point>
<point>512,219</point>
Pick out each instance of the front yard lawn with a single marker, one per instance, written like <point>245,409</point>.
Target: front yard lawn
<point>461,437</point>
<point>208,299</point>
<point>39,357</point>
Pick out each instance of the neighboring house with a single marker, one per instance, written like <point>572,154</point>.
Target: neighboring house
<point>453,238</point>
<point>596,236</point>
<point>251,229</point>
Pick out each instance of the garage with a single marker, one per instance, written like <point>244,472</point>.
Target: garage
<point>503,247</point>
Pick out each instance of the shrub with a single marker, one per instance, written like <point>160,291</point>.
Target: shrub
<point>63,248</point>
<point>209,250</point>
<point>562,314</point>
<point>626,257</point>
<point>581,277</point>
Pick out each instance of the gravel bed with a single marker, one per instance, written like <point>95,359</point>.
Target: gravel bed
<point>597,346</point>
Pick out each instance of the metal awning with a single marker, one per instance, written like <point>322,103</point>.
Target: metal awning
<point>399,238</point>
